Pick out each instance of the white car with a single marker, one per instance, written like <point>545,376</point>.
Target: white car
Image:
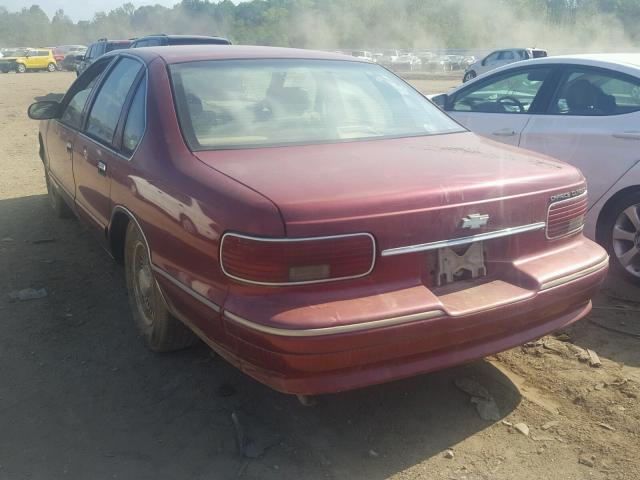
<point>499,58</point>
<point>582,109</point>
<point>363,54</point>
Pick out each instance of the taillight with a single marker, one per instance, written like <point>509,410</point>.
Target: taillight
<point>283,261</point>
<point>566,216</point>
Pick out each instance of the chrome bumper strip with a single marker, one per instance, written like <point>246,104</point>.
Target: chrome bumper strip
<point>576,275</point>
<point>456,242</point>
<point>354,327</point>
<point>215,307</point>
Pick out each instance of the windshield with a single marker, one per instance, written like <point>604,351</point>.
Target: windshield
<point>250,103</point>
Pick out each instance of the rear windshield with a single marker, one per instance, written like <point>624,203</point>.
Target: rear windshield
<point>251,103</point>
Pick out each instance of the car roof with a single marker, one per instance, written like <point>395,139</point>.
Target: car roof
<point>182,37</point>
<point>194,53</point>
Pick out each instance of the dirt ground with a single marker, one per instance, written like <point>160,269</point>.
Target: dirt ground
<point>82,398</point>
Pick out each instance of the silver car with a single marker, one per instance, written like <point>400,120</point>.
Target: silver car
<point>499,58</point>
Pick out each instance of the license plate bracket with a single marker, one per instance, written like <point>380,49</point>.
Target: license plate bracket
<point>456,265</point>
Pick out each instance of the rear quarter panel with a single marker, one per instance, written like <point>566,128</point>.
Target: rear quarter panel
<point>183,207</point>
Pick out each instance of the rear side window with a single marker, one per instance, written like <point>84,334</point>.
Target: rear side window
<point>587,92</point>
<point>108,104</point>
<point>134,127</point>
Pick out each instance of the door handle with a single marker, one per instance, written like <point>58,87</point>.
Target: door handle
<point>69,147</point>
<point>505,132</point>
<point>630,135</point>
<point>102,168</point>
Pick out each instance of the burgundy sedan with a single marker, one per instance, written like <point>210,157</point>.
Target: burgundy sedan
<point>312,217</point>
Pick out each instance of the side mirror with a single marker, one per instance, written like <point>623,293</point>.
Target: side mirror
<point>44,110</point>
<point>440,100</point>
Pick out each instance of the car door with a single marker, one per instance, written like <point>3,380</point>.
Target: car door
<point>96,148</point>
<point>62,132</point>
<point>593,122</point>
<point>500,106</point>
<point>43,58</point>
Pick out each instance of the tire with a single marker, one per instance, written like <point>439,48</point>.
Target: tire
<point>470,75</point>
<point>21,68</point>
<point>161,330</point>
<point>56,201</point>
<point>51,67</point>
<point>620,235</point>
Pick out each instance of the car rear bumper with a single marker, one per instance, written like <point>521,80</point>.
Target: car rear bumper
<point>314,348</point>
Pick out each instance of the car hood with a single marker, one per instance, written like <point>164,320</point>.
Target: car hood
<point>333,183</point>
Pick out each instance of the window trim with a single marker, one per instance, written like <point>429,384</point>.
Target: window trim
<point>537,105</point>
<point>113,146</point>
<point>565,69</point>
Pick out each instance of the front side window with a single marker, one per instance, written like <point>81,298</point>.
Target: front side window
<point>509,93</point>
<point>506,55</point>
<point>596,93</point>
<point>106,110</point>
<point>72,115</point>
<point>491,58</point>
<point>134,126</point>
<point>244,103</point>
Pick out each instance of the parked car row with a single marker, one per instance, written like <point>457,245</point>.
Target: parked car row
<point>401,60</point>
<point>78,57</point>
<point>102,46</point>
<point>314,219</point>
<point>21,60</point>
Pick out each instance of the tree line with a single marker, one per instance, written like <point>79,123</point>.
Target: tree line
<point>560,24</point>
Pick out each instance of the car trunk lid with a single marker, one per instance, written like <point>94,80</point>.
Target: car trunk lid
<point>404,191</point>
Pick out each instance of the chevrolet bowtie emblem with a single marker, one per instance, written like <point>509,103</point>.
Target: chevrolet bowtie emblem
<point>475,220</point>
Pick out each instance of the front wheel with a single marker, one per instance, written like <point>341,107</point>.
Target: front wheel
<point>161,330</point>
<point>469,76</point>
<point>620,235</point>
<point>21,68</point>
<point>51,67</point>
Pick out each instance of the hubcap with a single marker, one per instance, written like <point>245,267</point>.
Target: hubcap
<point>143,283</point>
<point>626,239</point>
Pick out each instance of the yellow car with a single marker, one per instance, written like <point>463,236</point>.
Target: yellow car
<point>25,59</point>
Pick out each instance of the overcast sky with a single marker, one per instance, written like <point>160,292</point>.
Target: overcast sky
<point>79,9</point>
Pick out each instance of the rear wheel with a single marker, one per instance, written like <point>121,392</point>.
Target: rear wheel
<point>620,234</point>
<point>51,67</point>
<point>470,75</point>
<point>162,331</point>
<point>21,68</point>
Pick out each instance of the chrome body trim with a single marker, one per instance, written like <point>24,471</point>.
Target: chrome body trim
<point>456,242</point>
<point>304,239</point>
<point>354,327</point>
<point>575,230</point>
<point>576,275</point>
<point>214,306</point>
